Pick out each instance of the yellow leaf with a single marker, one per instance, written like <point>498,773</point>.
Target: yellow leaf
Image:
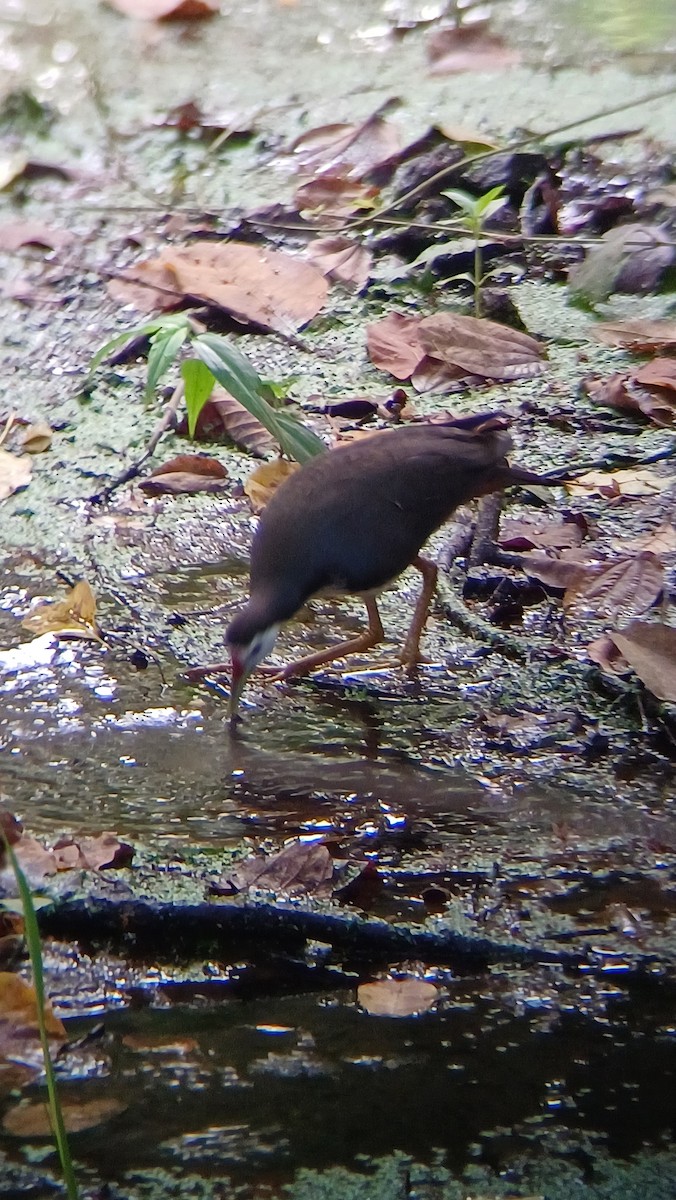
<point>74,616</point>
<point>265,479</point>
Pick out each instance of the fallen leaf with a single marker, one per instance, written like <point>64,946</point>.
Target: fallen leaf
<point>481,347</point>
<point>397,997</point>
<point>265,288</point>
<point>92,853</point>
<point>265,479</point>
<point>19,1035</point>
<point>622,392</point>
<point>35,439</point>
<point>74,616</point>
<point>35,861</point>
<point>333,195</point>
<point>394,345</point>
<point>14,234</point>
<point>351,151</point>
<point>650,649</point>
<point>606,655</point>
<point>148,286</point>
<point>239,424</point>
<point>342,259</point>
<point>644,337</point>
<point>15,472</point>
<point>185,475</point>
<point>633,482</point>
<point>554,572</point>
<point>32,1119</point>
<point>661,541</point>
<point>167,10</point>
<point>468,48</point>
<point>660,373</point>
<point>531,535</point>
<point>298,867</point>
<point>619,589</point>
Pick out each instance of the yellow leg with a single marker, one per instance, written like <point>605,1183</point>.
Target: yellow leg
<point>410,655</point>
<point>370,637</point>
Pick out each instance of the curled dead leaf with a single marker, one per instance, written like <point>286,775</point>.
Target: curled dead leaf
<point>645,337</point>
<point>650,649</point>
<point>186,474</point>
<point>634,481</point>
<point>342,259</point>
<point>167,10</point>
<point>74,616</point>
<point>32,1120</point>
<point>618,589</point>
<point>298,867</point>
<point>15,472</point>
<point>265,479</point>
<point>35,439</point>
<point>397,997</point>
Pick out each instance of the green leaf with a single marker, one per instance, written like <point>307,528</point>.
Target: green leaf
<point>164,347</point>
<point>235,373</point>
<point>484,203</point>
<point>462,199</point>
<point>147,330</point>
<point>199,384</point>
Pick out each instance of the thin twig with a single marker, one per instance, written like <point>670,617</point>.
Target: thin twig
<point>165,423</point>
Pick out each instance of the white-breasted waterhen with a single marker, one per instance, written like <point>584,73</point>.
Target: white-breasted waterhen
<point>352,520</point>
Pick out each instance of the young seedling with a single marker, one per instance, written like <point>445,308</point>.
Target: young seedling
<point>214,360</point>
<point>476,211</point>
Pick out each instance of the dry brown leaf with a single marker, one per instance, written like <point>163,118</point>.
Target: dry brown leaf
<point>397,997</point>
<point>660,373</point>
<point>334,195</point>
<point>92,853</point>
<point>633,481</point>
<point>661,541</point>
<point>35,439</point>
<point>644,337</point>
<point>14,234</point>
<point>149,286</point>
<point>351,151</point>
<point>481,347</point>
<point>32,1119</point>
<point>167,10</point>
<point>468,48</point>
<point>298,867</point>
<point>554,572</point>
<point>650,649</point>
<point>15,472</point>
<point>606,655</point>
<point>74,616</point>
<point>342,259</point>
<point>185,475</point>
<point>19,1036</point>
<point>622,392</point>
<point>239,424</point>
<point>265,288</point>
<point>619,589</point>
<point>265,479</point>
<point>35,861</point>
<point>542,535</point>
<point>394,345</point>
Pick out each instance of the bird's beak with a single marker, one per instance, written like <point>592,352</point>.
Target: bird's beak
<point>238,678</point>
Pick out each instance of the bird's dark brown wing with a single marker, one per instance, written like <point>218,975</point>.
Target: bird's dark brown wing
<point>357,516</point>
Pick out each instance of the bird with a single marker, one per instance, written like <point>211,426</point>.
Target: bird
<point>352,520</point>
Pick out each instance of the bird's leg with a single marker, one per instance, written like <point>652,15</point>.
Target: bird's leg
<point>370,637</point>
<point>410,655</point>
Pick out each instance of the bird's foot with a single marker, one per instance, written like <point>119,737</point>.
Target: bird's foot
<point>193,674</point>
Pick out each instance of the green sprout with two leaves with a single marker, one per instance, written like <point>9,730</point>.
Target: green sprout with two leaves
<point>476,211</point>
<point>213,359</point>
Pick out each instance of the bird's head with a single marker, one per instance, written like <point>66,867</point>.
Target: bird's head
<point>248,644</point>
